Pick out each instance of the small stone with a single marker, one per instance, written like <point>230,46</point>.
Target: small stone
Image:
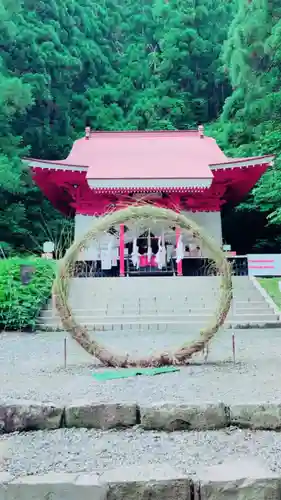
<point>100,415</point>
<point>238,480</point>
<point>171,417</point>
<point>266,416</point>
<point>158,482</point>
<point>28,415</point>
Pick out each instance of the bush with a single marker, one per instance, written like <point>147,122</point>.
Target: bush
<point>20,304</point>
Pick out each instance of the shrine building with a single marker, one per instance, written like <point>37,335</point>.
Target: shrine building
<point>182,170</point>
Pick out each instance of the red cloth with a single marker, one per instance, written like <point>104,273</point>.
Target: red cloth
<point>144,261</point>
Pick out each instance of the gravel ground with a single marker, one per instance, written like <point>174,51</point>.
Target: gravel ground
<point>89,450</point>
<point>31,367</point>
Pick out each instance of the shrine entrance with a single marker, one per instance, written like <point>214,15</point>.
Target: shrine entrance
<point>151,249</point>
<point>140,250</point>
<point>150,255</point>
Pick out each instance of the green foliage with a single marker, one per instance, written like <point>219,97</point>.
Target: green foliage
<point>20,304</point>
<point>250,121</point>
<point>253,56</point>
<point>271,285</point>
<point>134,65</point>
<point>116,65</point>
<point>152,64</point>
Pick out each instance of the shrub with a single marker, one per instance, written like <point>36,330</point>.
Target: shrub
<point>20,304</point>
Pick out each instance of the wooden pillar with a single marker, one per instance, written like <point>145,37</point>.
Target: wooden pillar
<point>122,251</point>
<point>179,264</point>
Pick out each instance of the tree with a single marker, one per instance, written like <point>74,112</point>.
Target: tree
<point>250,122</point>
<point>51,51</point>
<point>15,97</point>
<point>112,65</point>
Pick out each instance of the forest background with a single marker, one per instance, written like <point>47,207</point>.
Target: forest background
<point>151,64</point>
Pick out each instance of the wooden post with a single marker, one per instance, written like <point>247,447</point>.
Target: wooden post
<point>233,349</point>
<point>179,264</point>
<point>64,352</point>
<point>122,251</point>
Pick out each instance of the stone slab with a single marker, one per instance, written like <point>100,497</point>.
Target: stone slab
<point>24,415</point>
<point>264,416</point>
<point>247,479</point>
<point>171,416</point>
<point>100,415</point>
<point>5,478</point>
<point>152,481</point>
<point>56,486</point>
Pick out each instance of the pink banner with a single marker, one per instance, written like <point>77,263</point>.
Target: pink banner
<point>144,261</point>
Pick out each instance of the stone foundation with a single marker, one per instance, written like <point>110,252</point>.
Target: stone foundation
<point>30,416</point>
<point>236,480</point>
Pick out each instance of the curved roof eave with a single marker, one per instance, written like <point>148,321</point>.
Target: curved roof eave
<point>243,162</point>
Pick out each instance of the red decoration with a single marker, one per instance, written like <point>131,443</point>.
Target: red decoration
<point>58,187</point>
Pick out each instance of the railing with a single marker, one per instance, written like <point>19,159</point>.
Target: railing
<point>93,269</point>
<point>205,267</point>
<point>190,267</point>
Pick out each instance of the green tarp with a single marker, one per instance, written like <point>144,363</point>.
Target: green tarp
<point>132,372</point>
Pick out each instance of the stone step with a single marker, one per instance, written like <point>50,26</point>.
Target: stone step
<point>159,285</point>
<point>168,311</point>
<point>171,296</point>
<point>161,289</point>
<point>187,300</point>
<point>164,326</point>
<point>173,319</point>
<point>163,310</point>
<point>112,281</point>
<point>264,309</point>
<point>235,479</point>
<point>167,299</point>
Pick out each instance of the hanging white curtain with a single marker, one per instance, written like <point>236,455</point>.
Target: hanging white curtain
<point>170,251</point>
<point>110,248</point>
<point>106,256</point>
<point>112,251</point>
<point>163,251</point>
<point>180,249</point>
<point>135,254</point>
<point>95,249</point>
<point>158,255</point>
<point>161,254</point>
<point>149,249</point>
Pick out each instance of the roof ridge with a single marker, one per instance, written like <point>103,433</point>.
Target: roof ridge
<point>133,132</point>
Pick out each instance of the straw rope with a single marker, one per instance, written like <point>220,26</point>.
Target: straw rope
<point>144,213</point>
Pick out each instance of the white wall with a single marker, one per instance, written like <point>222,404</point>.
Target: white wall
<point>83,223</point>
<point>211,223</point>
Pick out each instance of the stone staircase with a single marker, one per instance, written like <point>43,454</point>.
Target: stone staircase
<point>160,302</point>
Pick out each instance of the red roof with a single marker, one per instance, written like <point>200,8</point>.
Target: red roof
<point>110,163</point>
<point>155,161</point>
<point>147,155</point>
